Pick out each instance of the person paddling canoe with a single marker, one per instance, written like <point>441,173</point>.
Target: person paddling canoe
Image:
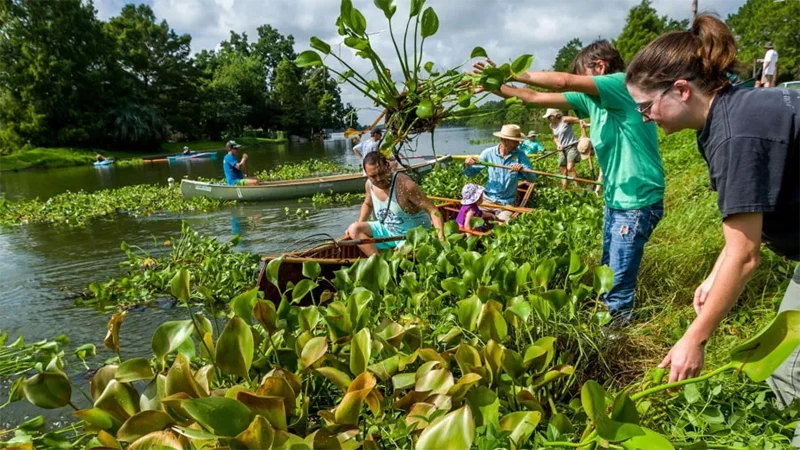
<point>398,203</point>
<point>233,168</point>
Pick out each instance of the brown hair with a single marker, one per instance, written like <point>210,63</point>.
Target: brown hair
<point>602,50</point>
<point>704,54</point>
<point>375,158</point>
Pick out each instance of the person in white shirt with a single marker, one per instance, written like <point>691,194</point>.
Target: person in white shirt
<point>770,71</point>
<point>370,145</point>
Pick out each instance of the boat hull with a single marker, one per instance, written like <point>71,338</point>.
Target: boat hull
<point>204,155</point>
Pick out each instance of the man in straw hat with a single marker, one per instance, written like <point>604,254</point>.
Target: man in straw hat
<point>501,188</point>
<point>770,66</point>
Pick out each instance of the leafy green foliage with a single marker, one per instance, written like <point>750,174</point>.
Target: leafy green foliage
<point>304,169</point>
<point>566,55</point>
<point>642,26</point>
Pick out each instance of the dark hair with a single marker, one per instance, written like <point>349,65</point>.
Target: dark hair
<point>376,131</point>
<point>375,158</point>
<point>602,50</point>
<point>704,54</point>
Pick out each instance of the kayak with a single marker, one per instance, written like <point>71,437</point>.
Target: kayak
<point>106,162</point>
<point>182,157</point>
<point>288,189</point>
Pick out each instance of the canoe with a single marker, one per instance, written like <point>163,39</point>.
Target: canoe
<point>106,162</point>
<point>287,189</point>
<point>182,157</point>
<point>343,252</point>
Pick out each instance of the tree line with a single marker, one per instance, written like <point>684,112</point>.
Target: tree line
<point>70,79</point>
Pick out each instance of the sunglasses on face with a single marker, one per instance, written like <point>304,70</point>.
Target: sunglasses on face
<point>644,110</point>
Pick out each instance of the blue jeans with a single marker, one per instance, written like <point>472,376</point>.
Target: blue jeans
<point>624,234</point>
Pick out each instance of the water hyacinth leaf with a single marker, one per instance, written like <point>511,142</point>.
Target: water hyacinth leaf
<point>169,336</point>
<point>180,379</point>
<point>258,435</point>
<point>220,415</point>
<point>544,272</point>
<point>345,10</point>
<point>491,323</point>
<point>243,304</point>
<point>455,286</point>
<point>560,371</point>
<point>111,341</point>
<point>603,279</point>
<point>467,358</point>
<point>593,399</point>
<point>521,425</point>
<point>313,351</point>
<point>311,269</point>
<point>335,376</point>
<point>403,381</point>
<point>97,419</point>
<point>274,266</point>
<point>119,399</point>
<point>320,45</point>
<point>234,352</point>
<point>308,317</point>
<point>416,7</point>
<point>348,410</point>
<point>272,408</point>
<point>556,297</point>
<point>86,351</point>
<point>142,424</point>
<point>161,440</point>
<point>465,100</point>
<point>454,431</point>
<point>387,6</point>
<point>512,363</point>
<point>425,109</point>
<point>179,286</point>
<point>759,356</point>
<point>512,101</point>
<point>624,410</point>
<point>266,315</point>
<point>428,66</point>
<point>435,381</point>
<point>521,64</point>
<point>32,424</point>
<point>430,23</point>
<point>48,390</point>
<point>308,58</point>
<point>562,423</point>
<point>468,311</point>
<point>462,386</point>
<point>101,379</point>
<point>478,52</point>
<point>650,440</point>
<point>134,369</point>
<point>301,289</point>
<point>356,43</point>
<point>360,351</point>
<point>420,415</point>
<point>358,22</point>
<point>522,309</point>
<point>373,273</point>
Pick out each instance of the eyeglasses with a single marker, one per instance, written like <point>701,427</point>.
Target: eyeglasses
<point>644,110</point>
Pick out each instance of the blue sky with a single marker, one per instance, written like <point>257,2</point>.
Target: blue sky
<point>506,29</point>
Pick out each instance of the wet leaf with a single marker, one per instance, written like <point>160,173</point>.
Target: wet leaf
<point>454,431</point>
<point>301,289</point>
<point>603,279</point>
<point>234,353</point>
<point>220,415</point>
<point>478,52</point>
<point>179,286</point>
<point>160,440</point>
<point>97,419</point>
<point>111,341</point>
<point>180,379</point>
<point>491,323</point>
<point>348,410</point>
<point>142,424</point>
<point>761,355</point>
<point>425,109</point>
<point>430,23</point>
<point>275,386</point>
<point>243,304</point>
<point>101,379</point>
<point>48,390</point>
<point>335,376</point>
<point>387,6</point>
<point>521,64</point>
<point>544,272</point>
<point>435,381</point>
<point>455,286</point>
<point>272,408</point>
<point>119,399</point>
<point>468,311</point>
<point>416,7</point>
<point>308,58</point>
<point>521,425</point>
<point>134,369</point>
<point>593,399</point>
<point>257,436</point>
<point>169,336</point>
<point>311,269</point>
<point>467,358</point>
<point>320,45</point>
<point>360,351</point>
<point>313,351</point>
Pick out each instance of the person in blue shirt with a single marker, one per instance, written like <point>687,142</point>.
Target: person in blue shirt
<point>501,188</point>
<point>233,167</point>
<point>531,146</point>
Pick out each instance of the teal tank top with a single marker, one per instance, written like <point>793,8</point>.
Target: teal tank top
<point>391,215</point>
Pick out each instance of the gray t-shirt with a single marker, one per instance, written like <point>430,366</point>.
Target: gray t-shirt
<point>564,134</point>
<point>751,142</point>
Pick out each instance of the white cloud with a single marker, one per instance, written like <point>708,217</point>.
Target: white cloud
<point>506,29</point>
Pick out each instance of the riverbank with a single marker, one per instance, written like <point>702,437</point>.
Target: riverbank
<point>56,157</point>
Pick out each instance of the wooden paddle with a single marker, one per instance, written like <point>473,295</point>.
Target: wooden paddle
<point>517,209</point>
<point>536,172</point>
<point>540,157</point>
<point>370,240</point>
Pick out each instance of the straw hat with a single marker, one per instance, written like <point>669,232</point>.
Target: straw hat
<point>471,193</point>
<point>585,148</point>
<point>532,134</point>
<point>552,112</point>
<point>510,132</point>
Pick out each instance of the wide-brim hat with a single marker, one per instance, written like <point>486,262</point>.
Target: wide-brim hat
<point>768,46</point>
<point>585,148</point>
<point>510,131</point>
<point>552,112</point>
<point>471,193</point>
<point>532,134</point>
<point>232,144</point>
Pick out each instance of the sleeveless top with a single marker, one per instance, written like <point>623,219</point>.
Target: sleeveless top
<point>391,215</point>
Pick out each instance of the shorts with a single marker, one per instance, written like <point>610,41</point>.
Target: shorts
<point>768,79</point>
<point>569,155</point>
<point>503,215</point>
<point>380,230</point>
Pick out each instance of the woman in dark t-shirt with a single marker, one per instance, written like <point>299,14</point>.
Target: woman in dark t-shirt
<point>750,140</point>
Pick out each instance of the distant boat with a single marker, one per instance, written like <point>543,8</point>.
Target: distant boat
<point>182,157</point>
<point>105,162</point>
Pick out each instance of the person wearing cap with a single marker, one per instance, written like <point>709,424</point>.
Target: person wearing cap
<point>769,71</point>
<point>370,145</point>
<point>186,151</point>
<point>566,142</point>
<point>501,187</point>
<point>471,199</point>
<point>233,168</point>
<point>531,146</point>
<point>626,148</point>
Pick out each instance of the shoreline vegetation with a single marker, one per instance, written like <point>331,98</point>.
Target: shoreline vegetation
<point>59,157</point>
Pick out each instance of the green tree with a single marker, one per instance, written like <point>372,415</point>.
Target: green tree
<point>289,97</point>
<point>54,74</point>
<point>242,79</point>
<point>324,107</point>
<point>566,55</point>
<point>641,27</point>
<point>760,21</point>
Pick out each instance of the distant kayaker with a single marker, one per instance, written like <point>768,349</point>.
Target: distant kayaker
<point>233,168</point>
<point>99,157</point>
<point>186,151</point>
<point>501,188</point>
<point>398,203</point>
<point>370,145</point>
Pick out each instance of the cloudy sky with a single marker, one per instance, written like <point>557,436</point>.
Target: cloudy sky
<point>506,29</point>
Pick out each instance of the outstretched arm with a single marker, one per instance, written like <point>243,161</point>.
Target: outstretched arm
<point>416,197</point>
<point>559,82</point>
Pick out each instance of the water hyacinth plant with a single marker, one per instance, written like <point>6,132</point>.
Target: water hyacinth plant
<point>422,95</point>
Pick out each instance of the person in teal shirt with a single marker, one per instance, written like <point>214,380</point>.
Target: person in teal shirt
<point>626,148</point>
<point>531,146</point>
